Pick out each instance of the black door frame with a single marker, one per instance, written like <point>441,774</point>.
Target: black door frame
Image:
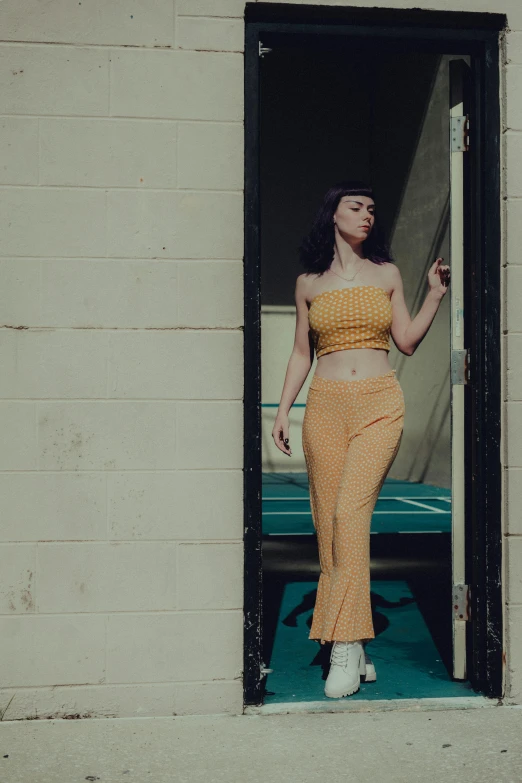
<point>477,35</point>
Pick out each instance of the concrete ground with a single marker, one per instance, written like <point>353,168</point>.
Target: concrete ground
<point>464,745</point>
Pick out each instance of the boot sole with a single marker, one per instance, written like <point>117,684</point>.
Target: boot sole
<point>345,693</point>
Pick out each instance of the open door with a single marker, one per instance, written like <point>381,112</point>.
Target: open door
<point>474,297</point>
<point>459,145</point>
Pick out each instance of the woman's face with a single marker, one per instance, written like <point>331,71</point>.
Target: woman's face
<point>355,217</point>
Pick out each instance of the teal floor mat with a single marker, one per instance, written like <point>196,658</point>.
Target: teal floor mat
<point>407,661</point>
<point>402,507</point>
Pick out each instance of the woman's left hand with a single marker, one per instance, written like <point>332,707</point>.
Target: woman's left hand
<point>439,277</point>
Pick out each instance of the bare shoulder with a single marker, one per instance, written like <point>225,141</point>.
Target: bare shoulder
<point>391,270</point>
<point>301,279</point>
<point>391,274</point>
<point>303,285</point>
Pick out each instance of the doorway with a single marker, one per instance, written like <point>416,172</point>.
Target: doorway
<point>327,102</point>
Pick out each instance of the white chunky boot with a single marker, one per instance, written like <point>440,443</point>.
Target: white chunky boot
<point>347,664</point>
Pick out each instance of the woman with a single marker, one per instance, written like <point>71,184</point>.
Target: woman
<point>354,413</point>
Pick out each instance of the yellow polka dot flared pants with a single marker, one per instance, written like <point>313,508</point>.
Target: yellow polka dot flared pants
<point>351,435</point>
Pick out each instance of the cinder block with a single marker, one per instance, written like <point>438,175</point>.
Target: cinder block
<point>512,8</point>
<point>513,352</point>
<point>210,435</point>
<point>51,650</point>
<point>177,85</point>
<point>514,47</point>
<point>514,654</point>
<point>107,435</point>
<point>53,79</point>
<point>107,153</point>
<point>52,506</point>
<point>211,7</point>
<point>18,571</point>
<point>210,35</point>
<point>120,22</point>
<point>166,224</point>
<point>53,222</point>
<point>513,76</point>
<point>210,294</point>
<point>513,229</point>
<point>203,364</point>
<point>152,700</point>
<point>187,504</point>
<point>200,646</point>
<point>53,364</point>
<point>513,434</point>
<point>503,321</point>
<point>18,428</point>
<point>210,576</point>
<point>210,155</point>
<point>514,163</point>
<point>18,150</point>
<point>514,293</point>
<point>514,500</point>
<point>106,577</point>
<point>20,291</point>
<point>209,698</point>
<point>514,569</point>
<point>108,294</point>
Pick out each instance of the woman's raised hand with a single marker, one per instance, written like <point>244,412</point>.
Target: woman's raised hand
<point>280,434</point>
<point>439,276</point>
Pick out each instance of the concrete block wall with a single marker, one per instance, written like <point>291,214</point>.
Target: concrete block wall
<point>121,225</point>
<point>121,348</point>
<point>512,351</point>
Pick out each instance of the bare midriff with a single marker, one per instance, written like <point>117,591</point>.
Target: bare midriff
<point>353,363</point>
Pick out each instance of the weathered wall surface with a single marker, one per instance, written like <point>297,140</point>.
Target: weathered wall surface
<point>512,351</point>
<point>121,310</point>
<point>121,352</point>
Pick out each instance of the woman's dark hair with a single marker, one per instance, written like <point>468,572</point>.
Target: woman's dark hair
<point>316,251</point>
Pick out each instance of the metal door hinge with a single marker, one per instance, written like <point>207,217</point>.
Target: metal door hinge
<point>460,133</point>
<point>460,367</point>
<point>263,671</point>
<point>263,49</point>
<point>461,609</point>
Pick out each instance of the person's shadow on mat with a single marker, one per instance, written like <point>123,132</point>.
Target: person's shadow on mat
<point>380,621</point>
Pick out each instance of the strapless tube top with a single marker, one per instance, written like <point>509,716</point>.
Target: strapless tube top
<point>356,317</point>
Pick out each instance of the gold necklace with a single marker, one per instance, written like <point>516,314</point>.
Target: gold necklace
<point>348,279</point>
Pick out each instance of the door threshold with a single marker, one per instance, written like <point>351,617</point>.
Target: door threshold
<point>373,705</point>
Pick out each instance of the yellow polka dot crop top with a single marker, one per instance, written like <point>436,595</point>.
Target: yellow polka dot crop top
<point>356,317</point>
